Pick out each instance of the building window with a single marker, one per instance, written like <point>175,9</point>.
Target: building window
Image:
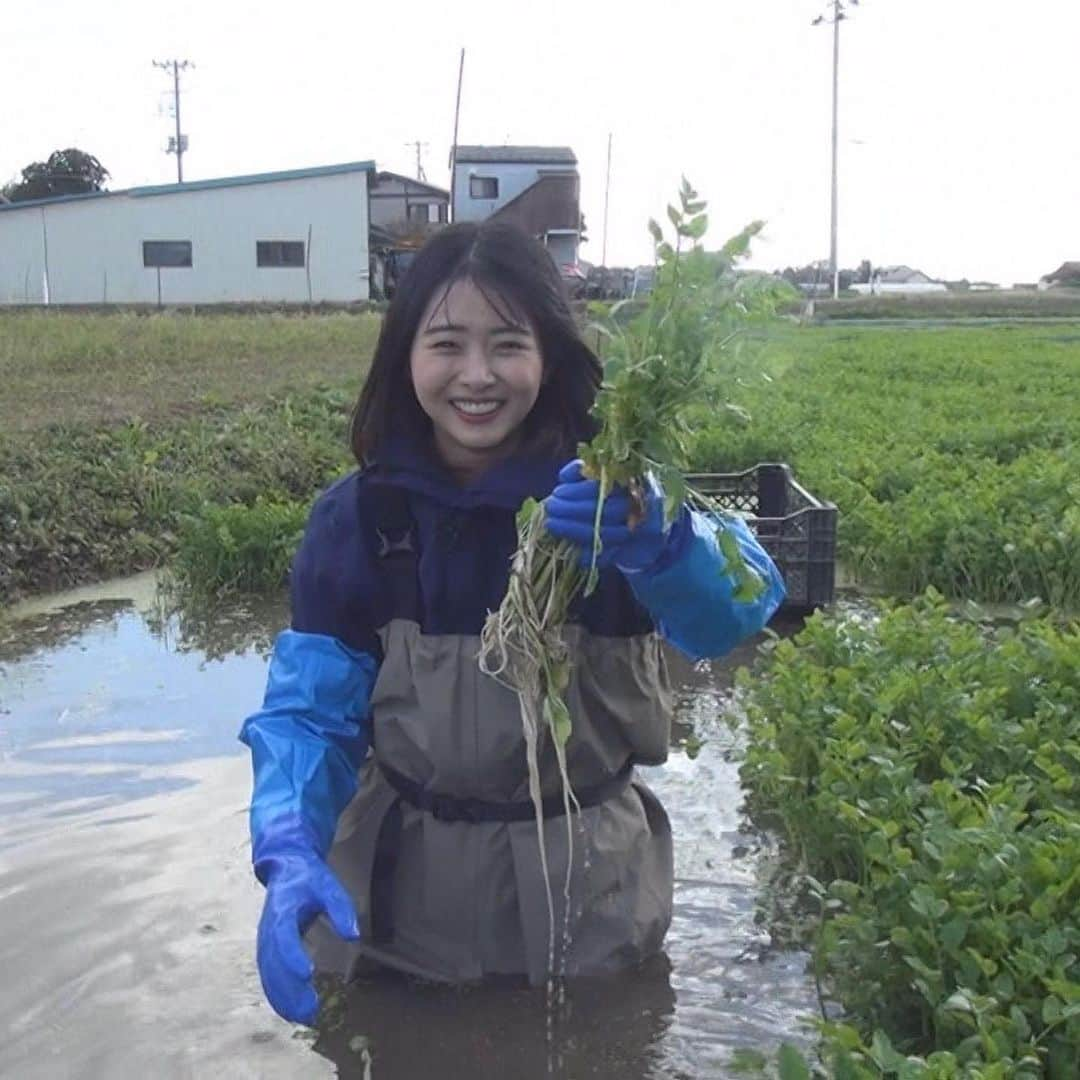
<point>166,253</point>
<point>418,212</point>
<point>279,253</point>
<point>483,187</point>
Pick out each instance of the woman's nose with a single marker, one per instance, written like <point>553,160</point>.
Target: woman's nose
<point>477,368</point>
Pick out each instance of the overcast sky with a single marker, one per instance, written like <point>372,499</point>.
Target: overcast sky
<point>960,119</point>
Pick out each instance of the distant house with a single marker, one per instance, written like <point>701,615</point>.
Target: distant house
<point>534,187</point>
<point>400,203</point>
<point>899,279</point>
<point>1067,275</point>
<point>403,214</point>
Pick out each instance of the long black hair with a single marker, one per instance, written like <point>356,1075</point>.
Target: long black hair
<point>521,281</point>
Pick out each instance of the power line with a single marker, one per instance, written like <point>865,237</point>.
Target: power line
<point>178,143</point>
<point>838,13</point>
<point>453,145</point>
<point>607,193</point>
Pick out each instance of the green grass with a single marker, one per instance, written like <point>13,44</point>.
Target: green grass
<point>91,369</point>
<point>953,454</point>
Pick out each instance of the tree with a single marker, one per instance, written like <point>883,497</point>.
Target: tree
<point>67,172</point>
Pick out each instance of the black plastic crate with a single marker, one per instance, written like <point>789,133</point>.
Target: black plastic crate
<point>796,529</point>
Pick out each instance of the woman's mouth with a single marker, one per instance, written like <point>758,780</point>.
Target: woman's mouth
<point>473,411</point>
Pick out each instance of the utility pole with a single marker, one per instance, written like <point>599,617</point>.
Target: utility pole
<point>419,164</point>
<point>607,193</point>
<point>837,17</point>
<point>177,143</point>
<point>453,146</point>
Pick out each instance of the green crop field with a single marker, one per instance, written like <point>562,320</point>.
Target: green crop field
<point>953,454</point>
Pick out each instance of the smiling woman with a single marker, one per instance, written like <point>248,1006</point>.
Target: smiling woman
<point>472,304</point>
<point>476,376</point>
<point>397,788</point>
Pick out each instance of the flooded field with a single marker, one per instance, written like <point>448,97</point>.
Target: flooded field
<point>129,909</point>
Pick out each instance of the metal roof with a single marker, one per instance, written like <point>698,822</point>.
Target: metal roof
<point>201,185</point>
<point>531,155</point>
<point>382,174</point>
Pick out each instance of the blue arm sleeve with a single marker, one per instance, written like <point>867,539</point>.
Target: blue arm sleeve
<point>690,597</point>
<point>310,736</point>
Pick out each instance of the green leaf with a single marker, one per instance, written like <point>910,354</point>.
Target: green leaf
<point>729,545</point>
<point>696,227</point>
<point>528,508</point>
<point>1051,1010</point>
<point>953,932</point>
<point>674,484</point>
<point>665,251</point>
<point>883,1054</point>
<point>674,216</point>
<point>1020,1023</point>
<point>792,1064</point>
<point>959,1002</point>
<point>655,231</point>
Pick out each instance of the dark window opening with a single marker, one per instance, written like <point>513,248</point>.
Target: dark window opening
<point>483,187</point>
<point>166,253</point>
<point>279,253</point>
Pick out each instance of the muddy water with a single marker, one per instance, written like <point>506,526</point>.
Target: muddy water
<point>128,910</point>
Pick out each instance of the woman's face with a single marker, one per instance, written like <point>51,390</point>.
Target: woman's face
<point>476,375</point>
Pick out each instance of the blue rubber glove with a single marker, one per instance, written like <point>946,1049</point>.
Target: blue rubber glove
<point>299,887</point>
<point>570,512</point>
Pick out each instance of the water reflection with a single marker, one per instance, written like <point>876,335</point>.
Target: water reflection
<point>393,1027</point>
<point>120,696</point>
<point>98,695</point>
<point>217,631</point>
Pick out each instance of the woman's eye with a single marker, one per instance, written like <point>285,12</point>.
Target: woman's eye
<point>511,346</point>
<point>444,345</point>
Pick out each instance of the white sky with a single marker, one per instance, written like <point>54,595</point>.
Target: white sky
<point>960,119</point>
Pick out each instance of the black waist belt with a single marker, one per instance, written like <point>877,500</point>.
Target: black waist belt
<point>451,808</point>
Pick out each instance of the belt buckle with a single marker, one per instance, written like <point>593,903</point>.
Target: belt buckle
<point>445,808</point>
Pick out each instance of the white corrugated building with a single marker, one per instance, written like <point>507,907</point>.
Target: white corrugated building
<point>283,237</point>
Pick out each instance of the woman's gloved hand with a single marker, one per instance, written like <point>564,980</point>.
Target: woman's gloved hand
<point>570,512</point>
<point>299,887</point>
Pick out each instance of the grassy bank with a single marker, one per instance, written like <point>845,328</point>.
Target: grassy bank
<point>1052,304</point>
<point>78,504</point>
<point>118,431</point>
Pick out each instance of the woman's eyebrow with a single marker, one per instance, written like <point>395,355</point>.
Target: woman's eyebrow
<point>445,328</point>
<point>520,331</point>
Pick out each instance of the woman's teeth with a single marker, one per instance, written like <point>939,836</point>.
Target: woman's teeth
<point>476,408</point>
